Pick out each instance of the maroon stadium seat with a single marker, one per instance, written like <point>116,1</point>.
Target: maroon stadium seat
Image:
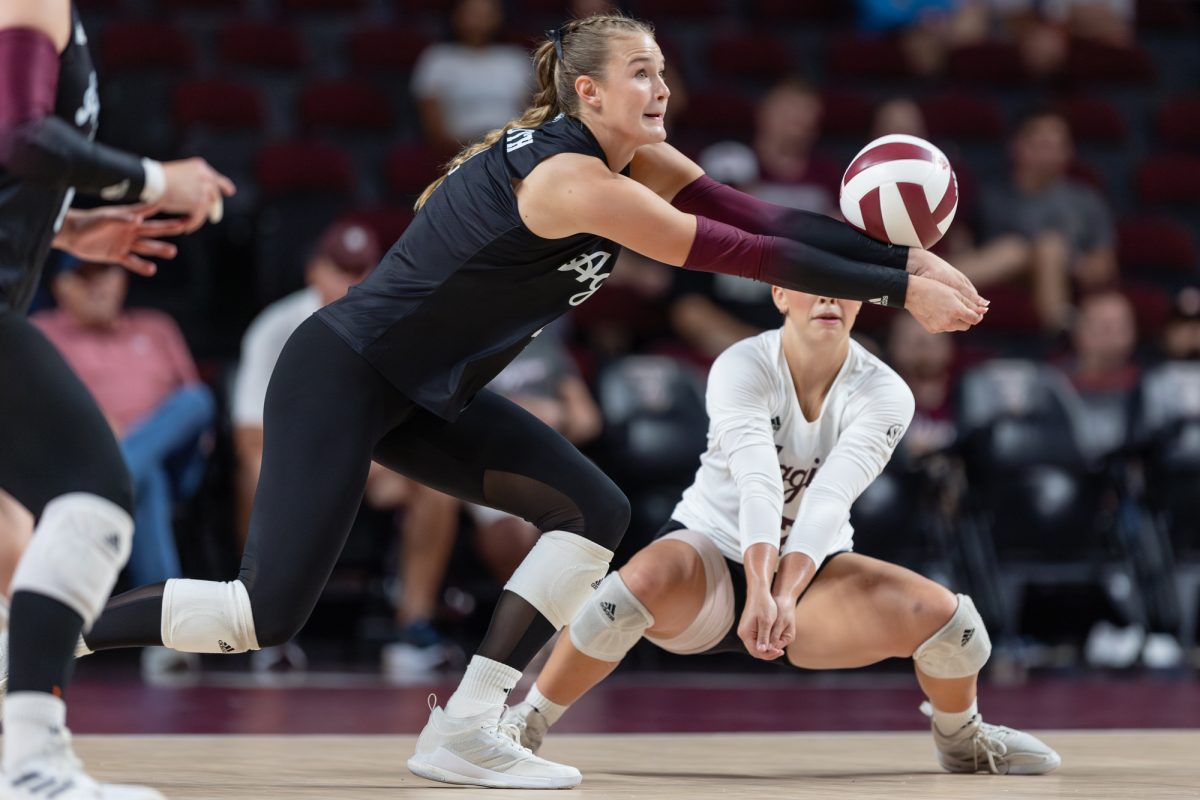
<point>1151,307</point>
<point>958,115</point>
<point>1156,244</point>
<point>386,49</point>
<point>1093,120</point>
<point>146,46</point>
<point>1011,311</point>
<point>261,44</point>
<point>660,12</point>
<point>303,166</point>
<point>1178,122</point>
<point>343,105</point>
<point>1169,179</point>
<point>1169,16</point>
<point>992,63</point>
<point>1090,63</point>
<point>861,57</point>
<point>387,222</point>
<point>218,6</point>
<point>341,6</point>
<point>806,11</point>
<point>218,104</point>
<point>720,113</point>
<point>747,55</point>
<point>847,114</point>
<point>410,169</point>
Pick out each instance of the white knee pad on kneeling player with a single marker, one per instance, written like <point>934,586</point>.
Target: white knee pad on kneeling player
<point>79,547</point>
<point>559,574</point>
<point>207,617</point>
<point>610,622</point>
<point>960,648</point>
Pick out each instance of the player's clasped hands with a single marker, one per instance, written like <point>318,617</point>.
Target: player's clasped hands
<point>939,296</point>
<point>756,625</point>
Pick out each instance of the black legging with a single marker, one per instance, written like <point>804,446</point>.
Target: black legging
<point>54,440</point>
<point>328,414</point>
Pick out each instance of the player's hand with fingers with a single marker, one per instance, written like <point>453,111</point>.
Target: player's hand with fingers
<point>196,190</point>
<point>120,235</point>
<point>940,308</point>
<point>930,265</point>
<point>754,629</point>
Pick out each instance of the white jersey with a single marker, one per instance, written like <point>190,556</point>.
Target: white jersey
<point>769,474</point>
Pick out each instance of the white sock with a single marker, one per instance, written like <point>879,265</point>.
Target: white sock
<point>484,687</point>
<point>949,722</point>
<point>551,710</point>
<point>30,719</point>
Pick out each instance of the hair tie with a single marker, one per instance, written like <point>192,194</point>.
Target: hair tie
<point>555,36</point>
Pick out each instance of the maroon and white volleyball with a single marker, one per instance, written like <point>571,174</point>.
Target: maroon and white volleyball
<point>900,189</point>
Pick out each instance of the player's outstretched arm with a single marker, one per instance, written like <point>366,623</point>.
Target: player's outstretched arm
<point>41,148</point>
<point>679,180</point>
<point>569,194</point>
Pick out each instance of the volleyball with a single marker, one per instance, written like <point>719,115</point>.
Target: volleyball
<point>900,189</point>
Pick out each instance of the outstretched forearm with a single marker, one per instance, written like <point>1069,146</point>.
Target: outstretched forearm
<point>43,149</point>
<point>719,247</point>
<point>705,197</point>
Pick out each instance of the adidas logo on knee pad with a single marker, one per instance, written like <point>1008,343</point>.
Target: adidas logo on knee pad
<point>610,610</point>
<point>966,637</point>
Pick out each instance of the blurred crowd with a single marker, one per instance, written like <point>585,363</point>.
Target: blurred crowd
<point>1049,471</point>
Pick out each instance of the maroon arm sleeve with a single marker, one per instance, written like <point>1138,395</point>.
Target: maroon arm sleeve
<point>719,247</point>
<point>39,147</point>
<point>705,197</point>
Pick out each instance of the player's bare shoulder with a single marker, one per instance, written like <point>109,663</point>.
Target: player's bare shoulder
<point>557,194</point>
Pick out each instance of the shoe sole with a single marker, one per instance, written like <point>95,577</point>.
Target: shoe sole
<point>445,767</point>
<point>1043,768</point>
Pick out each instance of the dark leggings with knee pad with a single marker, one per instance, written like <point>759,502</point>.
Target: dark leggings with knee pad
<point>328,414</point>
<point>54,441</point>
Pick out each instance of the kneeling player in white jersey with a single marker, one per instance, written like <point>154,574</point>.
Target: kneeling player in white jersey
<point>806,404</point>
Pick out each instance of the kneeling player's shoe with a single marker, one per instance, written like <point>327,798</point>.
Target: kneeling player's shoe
<point>530,723</point>
<point>980,747</point>
<point>56,773</point>
<point>483,751</point>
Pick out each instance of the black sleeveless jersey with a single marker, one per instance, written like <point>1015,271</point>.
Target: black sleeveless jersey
<point>468,286</point>
<point>30,215</point>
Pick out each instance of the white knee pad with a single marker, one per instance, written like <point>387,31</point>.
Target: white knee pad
<point>559,574</point>
<point>960,648</point>
<point>610,622</point>
<point>79,547</point>
<point>207,617</point>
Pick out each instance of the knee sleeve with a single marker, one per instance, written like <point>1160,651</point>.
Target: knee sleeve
<point>559,574</point>
<point>610,622</point>
<point>78,549</point>
<point>960,648</point>
<point>207,617</point>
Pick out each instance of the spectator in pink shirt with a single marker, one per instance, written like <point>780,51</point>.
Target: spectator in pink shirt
<point>137,366</point>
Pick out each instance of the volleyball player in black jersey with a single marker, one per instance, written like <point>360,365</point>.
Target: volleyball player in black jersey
<point>58,457</point>
<point>524,226</point>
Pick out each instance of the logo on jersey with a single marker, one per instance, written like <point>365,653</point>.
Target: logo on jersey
<point>588,267</point>
<point>517,138</point>
<point>88,112</point>
<point>893,434</point>
<point>797,479</point>
<point>776,424</point>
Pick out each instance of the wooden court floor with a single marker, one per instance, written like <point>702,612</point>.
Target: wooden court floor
<point>1096,766</point>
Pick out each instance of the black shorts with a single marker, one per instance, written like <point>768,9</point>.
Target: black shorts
<point>737,573</point>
